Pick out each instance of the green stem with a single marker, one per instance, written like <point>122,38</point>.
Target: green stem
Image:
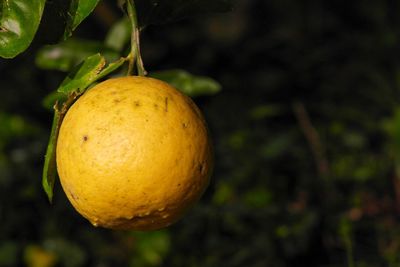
<point>134,55</point>
<point>346,232</point>
<point>131,63</point>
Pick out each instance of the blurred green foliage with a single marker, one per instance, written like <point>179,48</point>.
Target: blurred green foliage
<point>317,186</point>
<point>66,55</point>
<point>187,83</point>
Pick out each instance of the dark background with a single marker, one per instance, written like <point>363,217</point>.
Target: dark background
<point>306,132</point>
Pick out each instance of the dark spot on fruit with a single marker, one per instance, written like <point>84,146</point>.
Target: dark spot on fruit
<point>201,167</point>
<point>85,138</point>
<point>166,104</point>
<point>179,185</point>
<point>137,103</point>
<point>116,101</point>
<point>184,125</point>
<point>73,195</point>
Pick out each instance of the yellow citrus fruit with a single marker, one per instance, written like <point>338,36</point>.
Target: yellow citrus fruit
<point>133,153</point>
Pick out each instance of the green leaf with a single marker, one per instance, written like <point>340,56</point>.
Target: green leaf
<point>165,11</point>
<point>66,55</point>
<point>50,168</point>
<point>78,11</point>
<point>86,73</point>
<point>19,22</point>
<point>187,83</point>
<point>119,35</point>
<point>110,68</point>
<point>49,100</point>
<point>83,75</point>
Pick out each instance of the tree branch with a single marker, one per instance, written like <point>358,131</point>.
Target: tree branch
<point>312,137</point>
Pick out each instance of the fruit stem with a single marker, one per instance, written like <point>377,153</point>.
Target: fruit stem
<point>134,55</point>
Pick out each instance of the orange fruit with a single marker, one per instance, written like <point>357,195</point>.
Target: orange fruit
<point>133,153</point>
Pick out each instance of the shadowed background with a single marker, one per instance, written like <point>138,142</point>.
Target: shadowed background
<point>306,131</point>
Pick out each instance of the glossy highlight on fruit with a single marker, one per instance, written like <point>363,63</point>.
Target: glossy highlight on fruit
<point>133,153</point>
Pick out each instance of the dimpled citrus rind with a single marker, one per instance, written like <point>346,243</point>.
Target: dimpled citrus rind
<point>133,153</point>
